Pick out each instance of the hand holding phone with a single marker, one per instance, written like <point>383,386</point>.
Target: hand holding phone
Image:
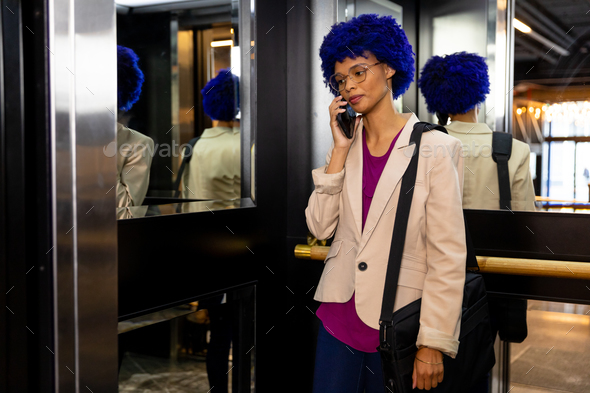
<point>343,121</point>
<point>347,121</point>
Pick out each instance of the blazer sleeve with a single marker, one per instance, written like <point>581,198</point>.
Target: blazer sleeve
<point>322,210</point>
<point>446,252</point>
<point>134,175</point>
<point>523,191</point>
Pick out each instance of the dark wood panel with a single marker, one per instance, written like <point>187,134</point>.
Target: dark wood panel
<point>170,260</point>
<point>539,235</point>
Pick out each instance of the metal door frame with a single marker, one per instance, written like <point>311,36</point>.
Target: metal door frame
<point>82,115</point>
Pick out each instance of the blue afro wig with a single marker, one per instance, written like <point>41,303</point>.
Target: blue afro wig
<point>454,84</point>
<point>129,78</point>
<point>379,35</point>
<point>221,96</point>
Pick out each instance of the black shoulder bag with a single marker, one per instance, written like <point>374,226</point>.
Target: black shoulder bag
<point>508,314</point>
<point>399,330</point>
<point>501,151</point>
<point>185,160</point>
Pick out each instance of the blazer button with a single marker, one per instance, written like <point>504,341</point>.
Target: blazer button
<point>362,266</point>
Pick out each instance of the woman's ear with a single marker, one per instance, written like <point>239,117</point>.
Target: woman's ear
<point>389,72</point>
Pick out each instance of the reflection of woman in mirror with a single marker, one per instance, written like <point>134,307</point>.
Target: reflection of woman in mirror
<point>454,86</point>
<point>368,63</point>
<point>214,169</point>
<point>134,150</point>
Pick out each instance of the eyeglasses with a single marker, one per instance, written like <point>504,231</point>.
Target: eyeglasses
<point>357,73</point>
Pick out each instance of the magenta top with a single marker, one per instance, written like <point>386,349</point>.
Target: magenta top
<point>341,319</point>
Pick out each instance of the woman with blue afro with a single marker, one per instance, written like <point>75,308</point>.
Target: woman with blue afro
<point>221,97</point>
<point>367,62</point>
<point>134,150</point>
<point>454,86</point>
<point>214,168</point>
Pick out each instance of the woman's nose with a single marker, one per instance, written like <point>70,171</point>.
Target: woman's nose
<point>349,85</point>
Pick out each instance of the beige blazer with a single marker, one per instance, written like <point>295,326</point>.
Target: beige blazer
<point>134,159</point>
<point>433,264</point>
<point>480,185</point>
<point>214,171</point>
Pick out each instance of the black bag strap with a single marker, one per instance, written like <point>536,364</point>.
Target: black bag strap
<point>185,160</point>
<point>501,151</point>
<point>471,262</point>
<point>401,224</point>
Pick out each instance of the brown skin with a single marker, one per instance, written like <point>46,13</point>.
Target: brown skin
<point>382,123</point>
<point>467,117</point>
<point>220,123</point>
<point>381,120</point>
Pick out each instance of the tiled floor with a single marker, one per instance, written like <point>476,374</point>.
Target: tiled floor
<point>150,374</point>
<point>555,357</point>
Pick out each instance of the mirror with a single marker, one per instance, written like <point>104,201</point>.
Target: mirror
<point>195,347</point>
<point>535,53</point>
<point>462,82</point>
<point>183,134</point>
<point>550,111</point>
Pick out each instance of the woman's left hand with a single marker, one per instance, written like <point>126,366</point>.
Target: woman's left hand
<point>427,376</point>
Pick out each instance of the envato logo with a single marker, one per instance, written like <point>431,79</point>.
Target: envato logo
<point>141,149</point>
<point>472,150</point>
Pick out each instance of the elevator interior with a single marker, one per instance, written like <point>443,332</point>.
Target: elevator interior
<point>78,279</point>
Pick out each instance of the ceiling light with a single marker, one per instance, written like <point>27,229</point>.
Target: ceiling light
<point>144,3</point>
<point>539,38</point>
<point>521,26</point>
<point>216,44</point>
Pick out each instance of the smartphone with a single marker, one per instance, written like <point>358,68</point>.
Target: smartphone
<point>346,121</point>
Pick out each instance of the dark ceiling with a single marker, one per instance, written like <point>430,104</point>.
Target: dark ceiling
<point>556,53</point>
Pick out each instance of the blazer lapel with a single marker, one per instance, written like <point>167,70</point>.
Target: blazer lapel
<point>395,168</point>
<point>354,178</point>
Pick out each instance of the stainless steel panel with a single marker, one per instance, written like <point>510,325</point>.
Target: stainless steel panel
<point>61,110</point>
<point>248,82</point>
<point>506,18</point>
<point>324,16</point>
<point>82,110</point>
<point>500,46</point>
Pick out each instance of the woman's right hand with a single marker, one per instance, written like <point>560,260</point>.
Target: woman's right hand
<point>340,140</point>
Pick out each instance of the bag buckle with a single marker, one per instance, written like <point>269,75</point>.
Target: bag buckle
<point>384,326</point>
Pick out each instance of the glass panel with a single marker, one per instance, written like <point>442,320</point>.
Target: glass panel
<point>194,347</point>
<point>556,353</point>
<point>179,69</point>
<point>551,111</point>
<point>561,168</point>
<point>582,177</point>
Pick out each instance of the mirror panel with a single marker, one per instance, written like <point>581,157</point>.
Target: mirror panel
<point>193,347</point>
<point>180,134</point>
<point>550,108</point>
<point>536,53</point>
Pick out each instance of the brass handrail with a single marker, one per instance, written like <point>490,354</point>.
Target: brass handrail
<point>497,265</point>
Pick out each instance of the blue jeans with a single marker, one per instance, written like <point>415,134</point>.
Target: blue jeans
<point>342,369</point>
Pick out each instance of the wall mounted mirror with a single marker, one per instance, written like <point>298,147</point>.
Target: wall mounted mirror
<point>185,140</point>
<point>551,111</point>
<point>203,346</point>
<point>537,53</point>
